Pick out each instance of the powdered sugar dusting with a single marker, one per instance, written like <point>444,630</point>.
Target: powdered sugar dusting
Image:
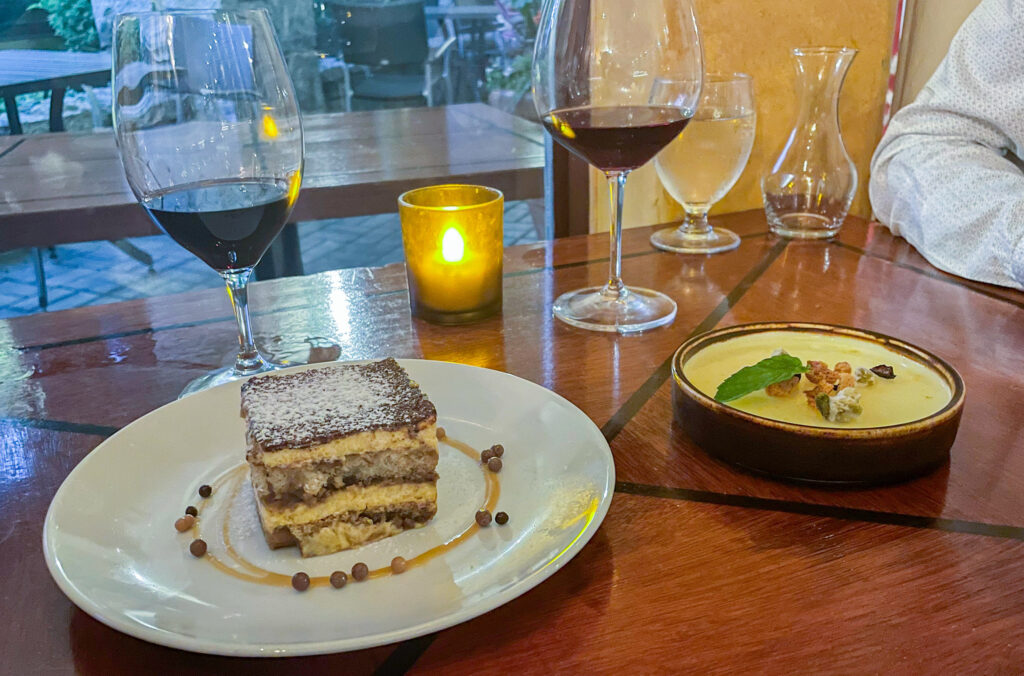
<point>315,406</point>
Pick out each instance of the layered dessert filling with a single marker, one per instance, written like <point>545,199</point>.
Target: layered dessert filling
<point>311,481</point>
<point>340,456</point>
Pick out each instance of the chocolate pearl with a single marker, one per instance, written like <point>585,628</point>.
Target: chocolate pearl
<point>494,464</point>
<point>191,511</point>
<point>398,565</point>
<point>360,572</point>
<point>486,455</point>
<point>197,548</point>
<point>184,523</point>
<point>300,581</point>
<point>441,434</point>
<point>501,518</point>
<point>483,518</point>
<point>205,491</point>
<point>338,579</point>
<point>498,450</point>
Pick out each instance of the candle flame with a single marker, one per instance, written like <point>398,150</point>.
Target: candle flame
<point>562,126</point>
<point>294,183</point>
<point>452,246</point>
<point>269,126</point>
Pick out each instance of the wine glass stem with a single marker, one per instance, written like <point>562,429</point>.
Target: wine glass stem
<point>696,223</point>
<point>615,289</point>
<point>248,359</point>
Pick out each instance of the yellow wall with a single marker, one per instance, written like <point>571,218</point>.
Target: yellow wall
<point>754,36</point>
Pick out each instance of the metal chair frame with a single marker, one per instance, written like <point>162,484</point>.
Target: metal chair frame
<point>438,61</point>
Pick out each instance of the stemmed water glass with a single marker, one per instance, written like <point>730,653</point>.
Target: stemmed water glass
<point>595,69</point>
<point>210,138</point>
<point>704,163</point>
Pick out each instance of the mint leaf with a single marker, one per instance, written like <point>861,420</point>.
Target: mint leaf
<point>766,372</point>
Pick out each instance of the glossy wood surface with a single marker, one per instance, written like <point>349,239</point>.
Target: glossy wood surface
<point>698,567</point>
<point>60,188</point>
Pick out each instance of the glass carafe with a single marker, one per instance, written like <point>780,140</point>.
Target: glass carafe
<point>808,192</point>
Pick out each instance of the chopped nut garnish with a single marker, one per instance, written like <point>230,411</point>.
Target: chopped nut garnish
<point>817,371</point>
<point>785,388</point>
<point>821,402</point>
<point>820,372</point>
<point>843,367</point>
<point>842,406</point>
<point>864,376</point>
<point>845,406</point>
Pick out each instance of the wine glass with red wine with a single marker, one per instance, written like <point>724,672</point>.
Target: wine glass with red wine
<point>211,142</point>
<point>595,66</point>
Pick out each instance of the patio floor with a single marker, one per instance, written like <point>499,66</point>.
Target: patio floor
<point>93,273</point>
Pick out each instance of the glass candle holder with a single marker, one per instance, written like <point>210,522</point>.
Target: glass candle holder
<point>453,239</point>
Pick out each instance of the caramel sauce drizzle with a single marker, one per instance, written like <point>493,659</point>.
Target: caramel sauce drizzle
<point>249,572</point>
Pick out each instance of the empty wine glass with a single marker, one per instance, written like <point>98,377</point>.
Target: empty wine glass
<point>594,75</point>
<point>706,160</point>
<point>208,129</point>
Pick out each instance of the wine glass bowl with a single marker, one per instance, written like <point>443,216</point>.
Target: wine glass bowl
<point>700,166</point>
<point>594,85</point>
<point>209,134</point>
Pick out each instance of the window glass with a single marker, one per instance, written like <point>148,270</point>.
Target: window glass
<point>386,89</point>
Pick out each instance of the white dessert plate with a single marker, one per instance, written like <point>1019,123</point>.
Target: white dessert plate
<point>111,546</point>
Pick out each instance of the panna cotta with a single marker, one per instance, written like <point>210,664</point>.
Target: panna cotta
<point>915,392</point>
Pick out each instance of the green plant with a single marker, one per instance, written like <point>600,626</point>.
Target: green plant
<point>516,77</point>
<point>530,9</point>
<point>72,20</point>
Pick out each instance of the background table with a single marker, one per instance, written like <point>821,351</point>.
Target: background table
<point>464,12</point>
<point>698,567</point>
<point>39,70</point>
<point>61,188</point>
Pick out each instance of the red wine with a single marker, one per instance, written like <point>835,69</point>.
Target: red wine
<point>228,225</point>
<point>616,138</point>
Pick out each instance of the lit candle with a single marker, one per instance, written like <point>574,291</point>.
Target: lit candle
<point>452,236</point>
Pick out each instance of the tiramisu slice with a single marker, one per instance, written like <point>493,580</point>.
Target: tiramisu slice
<point>340,456</point>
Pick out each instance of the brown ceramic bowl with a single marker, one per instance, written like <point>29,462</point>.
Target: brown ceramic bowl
<point>855,456</point>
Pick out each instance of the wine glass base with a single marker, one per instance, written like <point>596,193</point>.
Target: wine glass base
<point>222,376</point>
<point>636,310</point>
<point>678,241</point>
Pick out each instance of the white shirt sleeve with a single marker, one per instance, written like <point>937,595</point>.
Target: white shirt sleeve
<point>941,176</point>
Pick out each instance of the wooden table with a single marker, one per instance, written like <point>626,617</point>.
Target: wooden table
<point>698,567</point>
<point>62,188</point>
<point>464,12</point>
<point>39,70</point>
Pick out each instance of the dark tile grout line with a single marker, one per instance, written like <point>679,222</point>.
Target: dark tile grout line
<point>62,426</point>
<point>405,655</point>
<point>640,398</point>
<point>826,511</point>
<point>932,274</point>
<point>15,145</point>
